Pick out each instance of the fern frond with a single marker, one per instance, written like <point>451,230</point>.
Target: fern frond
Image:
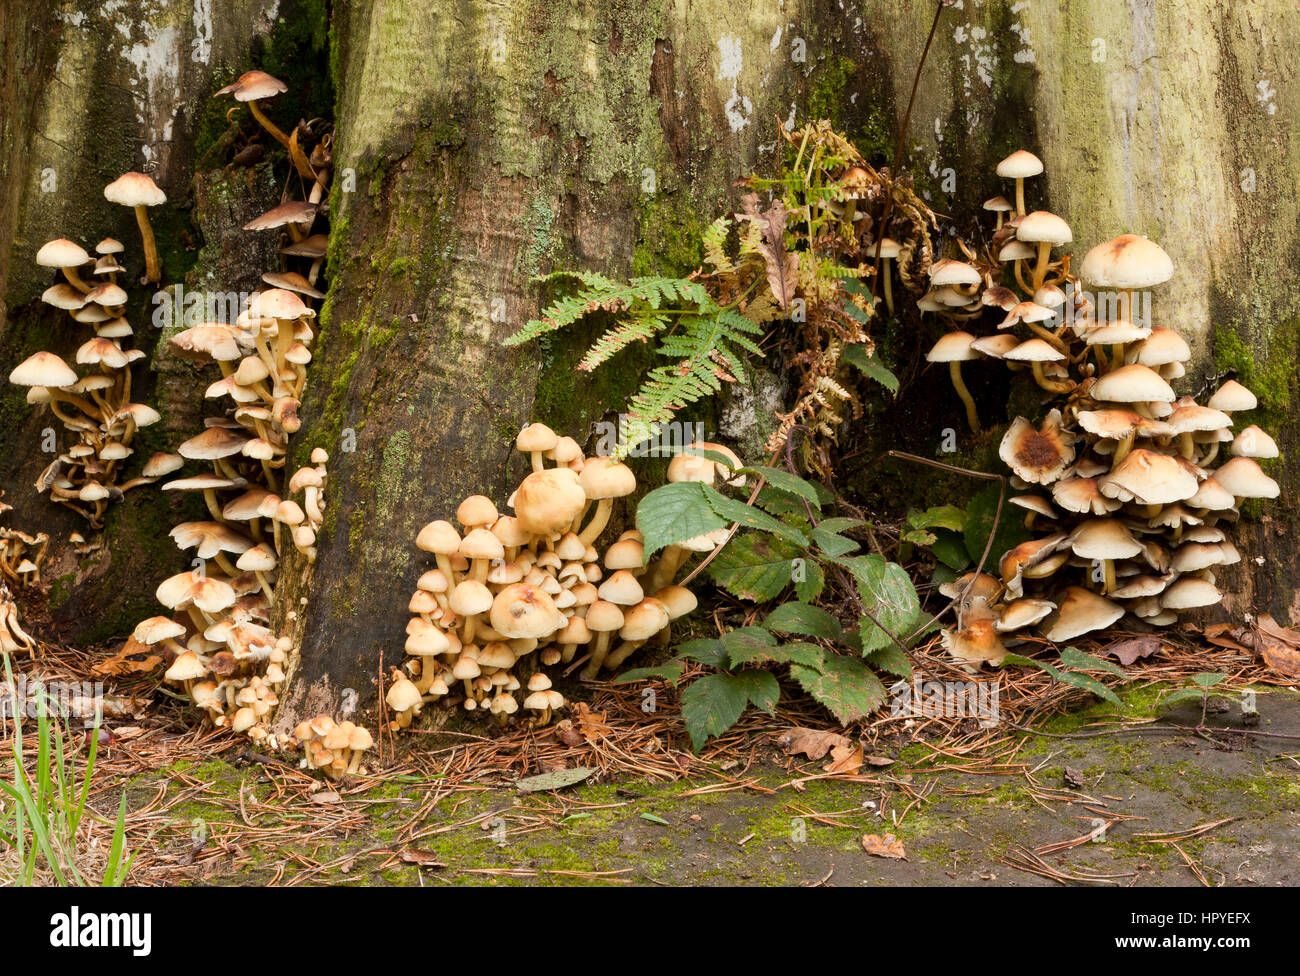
<point>620,337</point>
<point>715,244</point>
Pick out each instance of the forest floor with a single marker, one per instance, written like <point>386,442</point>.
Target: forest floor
<point>1081,801</point>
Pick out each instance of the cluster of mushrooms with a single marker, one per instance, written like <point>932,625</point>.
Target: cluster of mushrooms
<point>96,408</point>
<point>510,595</point>
<point>13,639</point>
<point>232,663</point>
<point>1124,476</point>
<point>21,554</point>
<point>335,748</point>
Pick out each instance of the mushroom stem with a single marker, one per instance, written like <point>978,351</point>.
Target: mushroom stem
<point>1210,454</point>
<point>958,384</point>
<point>598,521</point>
<point>267,124</point>
<point>1052,386</point>
<point>1186,446</point>
<point>622,653</point>
<point>266,587</point>
<point>1108,575</point>
<point>1020,196</point>
<point>1020,278</point>
<point>214,509</point>
<point>665,568</point>
<point>538,459</point>
<point>1040,268</point>
<point>598,654</point>
<point>226,566</point>
<point>889,294</point>
<point>1121,450</point>
<point>152,271</point>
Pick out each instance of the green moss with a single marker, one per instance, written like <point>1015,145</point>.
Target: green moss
<point>668,236</point>
<point>1271,376</point>
<point>538,231</point>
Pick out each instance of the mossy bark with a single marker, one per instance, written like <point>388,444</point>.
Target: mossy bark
<point>479,144</point>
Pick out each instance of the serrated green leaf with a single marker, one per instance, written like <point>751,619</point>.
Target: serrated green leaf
<point>892,659</point>
<point>749,516</point>
<point>757,567</point>
<point>1086,682</point>
<point>832,544</point>
<point>670,672</point>
<point>809,579</point>
<point>1072,657</point>
<point>783,480</point>
<point>1182,695</point>
<point>558,780</point>
<point>979,523</point>
<point>706,650</point>
<point>1206,679</point>
<point>714,703</point>
<point>674,513</point>
<point>743,642</point>
<point>938,517</point>
<point>871,366</point>
<point>950,549</point>
<point>802,618</point>
<point>917,537</point>
<point>846,687</point>
<point>840,524</point>
<point>796,652</point>
<point>887,592</point>
<point>1030,662</point>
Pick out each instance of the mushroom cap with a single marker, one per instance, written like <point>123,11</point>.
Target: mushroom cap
<point>186,667</point>
<point>1134,383</point>
<point>605,477</point>
<point>954,347</point>
<point>1022,613</point>
<point>209,339</point>
<point>1149,478</point>
<point>1244,478</point>
<point>1254,442</point>
<point>439,537</point>
<point>1189,593</point>
<point>134,190</point>
<point>403,696</point>
<point>603,616</point>
<point>1035,351</point>
<point>998,204</point>
<point>1129,261</point>
<point>280,304</point>
<point>1043,227</point>
<point>644,620</point>
<point>524,610</point>
<point>1080,612</point>
<point>1037,455</point>
<point>548,501</point>
<point>293,212</point>
<point>1115,332</point>
<point>43,369</point>
<point>61,253</point>
<point>470,597</point>
<point>1025,312</point>
<point>99,350</point>
<point>1104,538</point>
<point>314,246</point>
<point>107,294</point>
<point>423,639</point>
<point>1034,503</point>
<point>476,510</point>
<point>997,346</point>
<point>621,588</point>
<point>259,558</point>
<point>253,85</point>
<point>1020,165</point>
<point>979,640</point>
<point>1232,397</point>
<point>889,249</point>
<point>203,482</point>
<point>1192,416</point>
<point>63,296</point>
<point>1161,347</point>
<point>1016,250</point>
<point>952,272</point>
<point>209,538</point>
<point>481,544</point>
<point>536,438</point>
<point>213,443</point>
<point>156,629</point>
<point>292,281</point>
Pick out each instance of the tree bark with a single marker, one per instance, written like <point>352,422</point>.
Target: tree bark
<point>479,144</point>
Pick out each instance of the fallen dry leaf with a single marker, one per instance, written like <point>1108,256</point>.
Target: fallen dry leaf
<point>592,724</point>
<point>1128,651</point>
<point>1282,658</point>
<point>1276,632</point>
<point>425,859</point>
<point>1229,636</point>
<point>812,743</point>
<point>131,658</point>
<point>887,846</point>
<point>845,759</point>
<point>879,761</point>
<point>325,796</point>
